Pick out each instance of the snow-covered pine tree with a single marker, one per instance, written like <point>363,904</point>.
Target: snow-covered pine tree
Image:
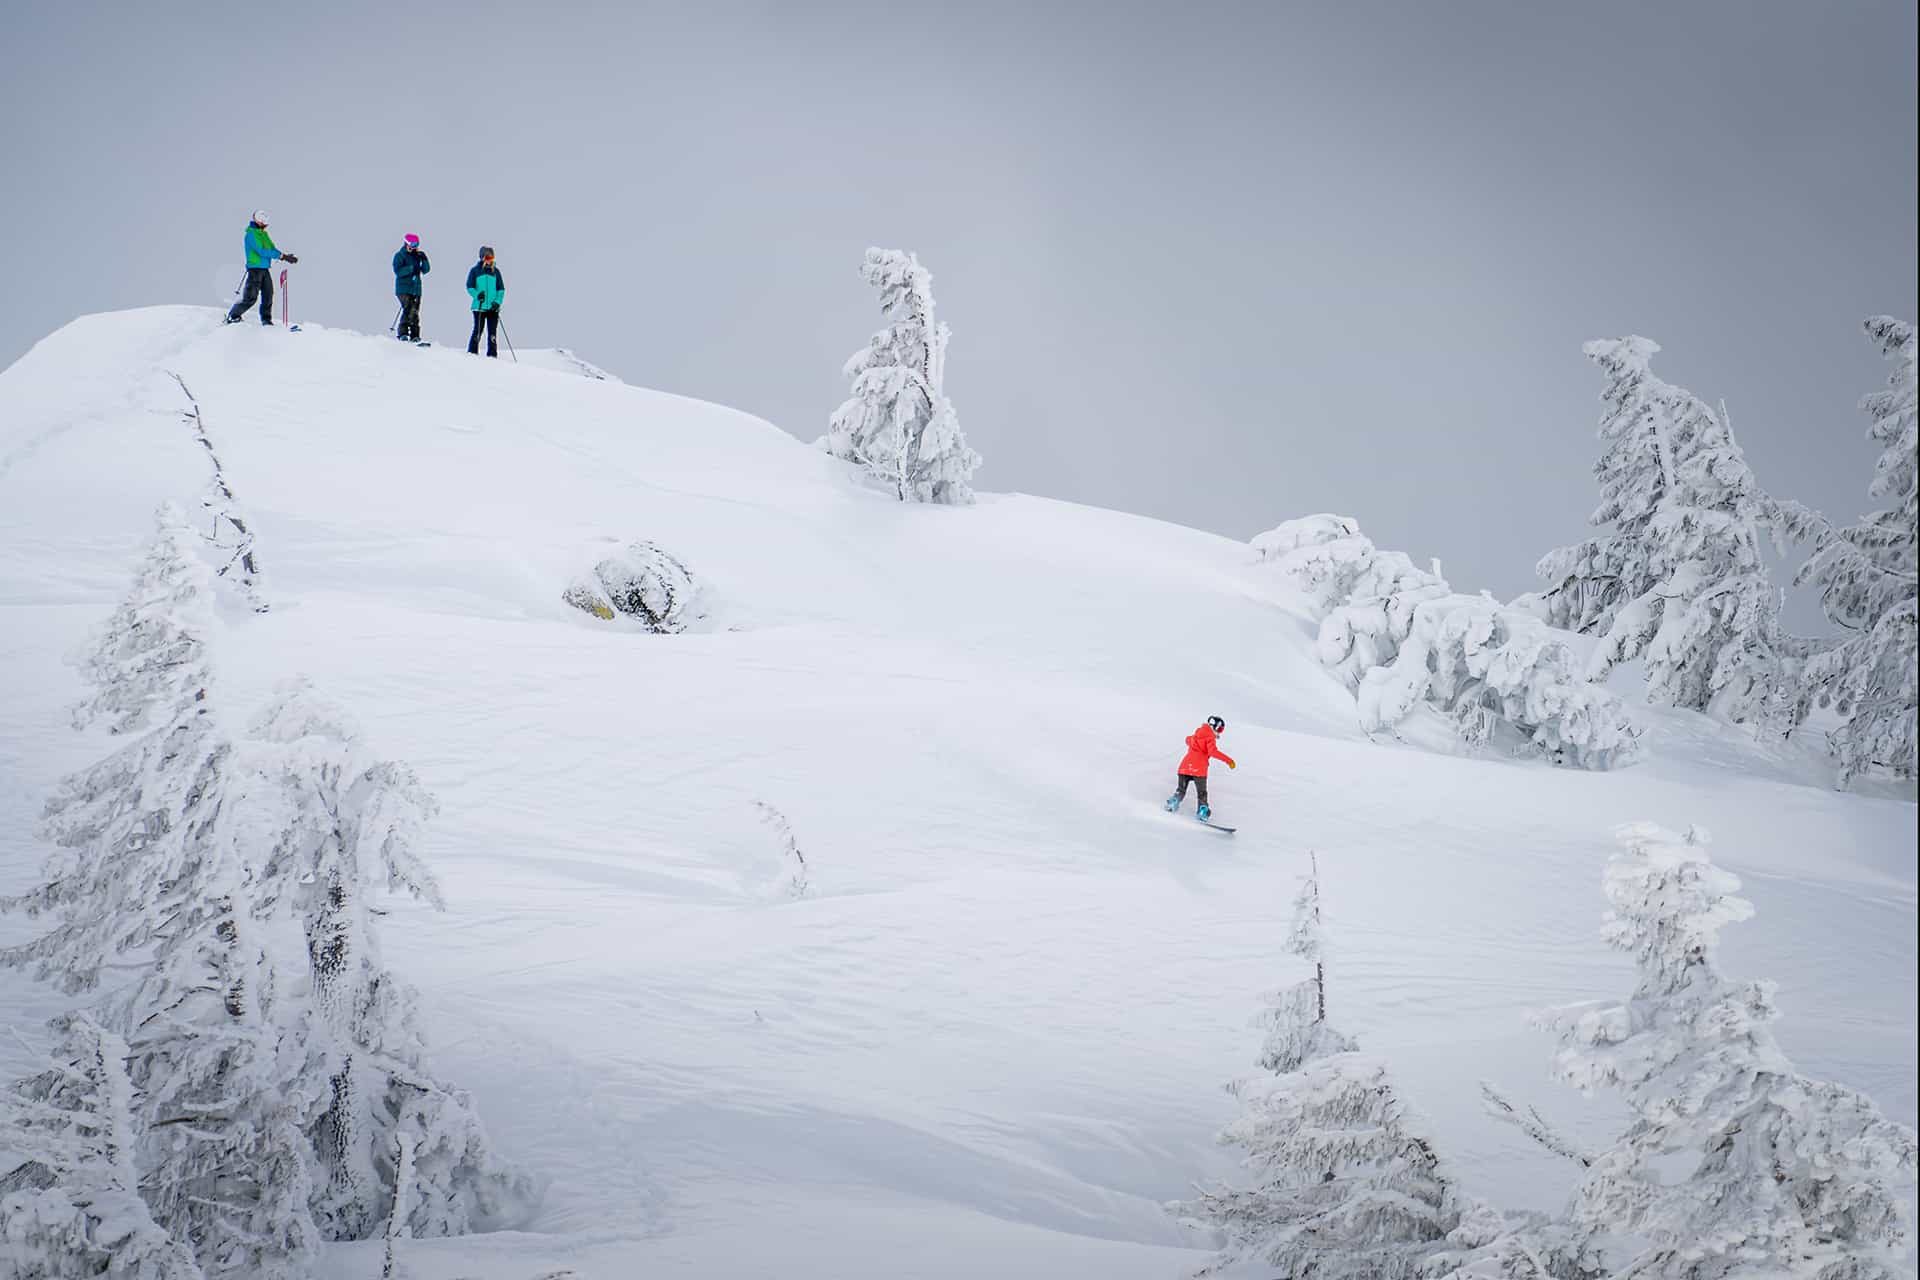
<point>342,824</point>
<point>224,1060</point>
<point>1869,580</point>
<point>70,1206</point>
<point>898,423</point>
<point>1734,1164</point>
<point>151,877</point>
<point>1679,577</point>
<point>1346,1187</point>
<point>1397,636</point>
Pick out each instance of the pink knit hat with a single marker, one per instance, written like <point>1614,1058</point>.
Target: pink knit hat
<point>412,239</point>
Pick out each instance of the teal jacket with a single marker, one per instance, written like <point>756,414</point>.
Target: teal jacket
<point>485,287</point>
<point>260,250</point>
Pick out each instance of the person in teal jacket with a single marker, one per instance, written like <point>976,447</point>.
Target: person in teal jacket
<point>487,289</point>
<point>261,252</point>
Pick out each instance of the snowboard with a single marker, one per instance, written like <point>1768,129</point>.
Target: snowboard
<point>1198,822</point>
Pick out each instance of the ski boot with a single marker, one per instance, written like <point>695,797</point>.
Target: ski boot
<point>1173,804</point>
<point>1206,811</point>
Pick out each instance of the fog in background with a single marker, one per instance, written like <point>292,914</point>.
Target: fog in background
<point>1217,263</point>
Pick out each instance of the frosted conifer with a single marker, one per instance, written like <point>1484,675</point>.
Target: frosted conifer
<point>1679,577</point>
<point>1345,1185</point>
<point>1869,580</point>
<point>898,423</point>
<point>345,824</point>
<point>1734,1164</point>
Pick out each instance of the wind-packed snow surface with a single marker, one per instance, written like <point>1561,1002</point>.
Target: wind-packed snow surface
<point>988,1036</point>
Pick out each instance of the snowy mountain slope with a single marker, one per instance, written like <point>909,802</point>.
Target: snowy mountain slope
<point>991,1042</point>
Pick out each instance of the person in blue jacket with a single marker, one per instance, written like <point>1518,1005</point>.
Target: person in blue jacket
<point>487,289</point>
<point>409,264</point>
<point>260,255</point>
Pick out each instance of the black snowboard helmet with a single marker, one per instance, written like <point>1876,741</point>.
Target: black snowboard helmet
<point>1216,724</point>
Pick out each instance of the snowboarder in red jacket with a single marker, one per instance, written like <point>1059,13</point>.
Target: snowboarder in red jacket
<point>1202,747</point>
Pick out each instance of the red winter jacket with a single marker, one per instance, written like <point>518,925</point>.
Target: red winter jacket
<point>1201,748</point>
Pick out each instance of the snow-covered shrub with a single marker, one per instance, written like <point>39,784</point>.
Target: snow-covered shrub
<point>70,1206</point>
<point>1679,578</point>
<point>1320,556</point>
<point>1346,1186</point>
<point>1486,665</point>
<point>795,880</point>
<point>221,522</point>
<point>1733,1164</point>
<point>1397,636</point>
<point>1488,1245</point>
<point>645,583</point>
<point>1869,580</point>
<point>898,423</point>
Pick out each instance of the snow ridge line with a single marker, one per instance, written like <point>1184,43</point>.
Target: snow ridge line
<point>221,502</point>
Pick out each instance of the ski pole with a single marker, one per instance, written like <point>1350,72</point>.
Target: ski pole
<point>394,328</point>
<point>510,350</point>
<point>286,300</point>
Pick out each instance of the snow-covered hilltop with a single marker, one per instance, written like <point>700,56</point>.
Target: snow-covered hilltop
<point>813,914</point>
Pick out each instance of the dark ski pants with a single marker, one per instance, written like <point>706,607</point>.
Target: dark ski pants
<point>1200,787</point>
<point>259,285</point>
<point>409,316</point>
<point>491,319</point>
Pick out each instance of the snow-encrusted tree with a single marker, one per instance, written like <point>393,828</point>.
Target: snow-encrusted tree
<point>1345,1183</point>
<point>1679,577</point>
<point>1869,580</point>
<point>898,423</point>
<point>1734,1164</point>
<point>1397,636</point>
<point>70,1206</point>
<point>342,824</point>
<point>151,883</point>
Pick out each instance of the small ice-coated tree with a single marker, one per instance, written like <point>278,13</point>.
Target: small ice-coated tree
<point>898,424</point>
<point>1346,1185</point>
<point>1733,1164</point>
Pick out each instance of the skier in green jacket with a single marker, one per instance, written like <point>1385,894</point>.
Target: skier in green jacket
<point>487,289</point>
<point>260,255</point>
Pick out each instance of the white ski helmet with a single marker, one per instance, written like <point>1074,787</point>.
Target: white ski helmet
<point>260,216</point>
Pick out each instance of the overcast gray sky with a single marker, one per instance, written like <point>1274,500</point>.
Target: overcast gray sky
<point>1220,263</point>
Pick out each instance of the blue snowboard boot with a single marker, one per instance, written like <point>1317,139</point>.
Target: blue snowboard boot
<point>1205,813</point>
<point>1173,804</point>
